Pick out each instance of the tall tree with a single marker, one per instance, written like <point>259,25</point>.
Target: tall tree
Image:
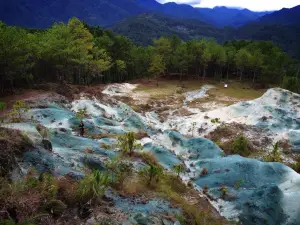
<point>157,66</point>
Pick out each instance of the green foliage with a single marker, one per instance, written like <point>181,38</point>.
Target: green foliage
<point>215,120</point>
<point>48,186</point>
<point>93,185</point>
<point>241,146</point>
<point>81,114</point>
<point>120,170</point>
<point>151,173</point>
<point>224,191</point>
<point>78,54</point>
<point>274,156</point>
<point>296,166</point>
<point>291,83</point>
<point>2,106</point>
<point>178,168</point>
<point>19,108</point>
<point>127,143</point>
<point>239,183</point>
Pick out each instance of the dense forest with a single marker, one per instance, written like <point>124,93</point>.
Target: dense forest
<point>79,54</point>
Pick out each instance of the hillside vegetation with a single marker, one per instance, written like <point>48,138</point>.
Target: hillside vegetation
<point>78,54</point>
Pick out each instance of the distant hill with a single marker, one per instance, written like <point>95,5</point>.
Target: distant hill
<point>282,17</point>
<point>144,28</point>
<point>223,16</point>
<point>287,36</point>
<point>42,13</point>
<point>218,16</point>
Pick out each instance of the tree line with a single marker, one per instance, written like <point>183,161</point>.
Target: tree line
<point>79,54</point>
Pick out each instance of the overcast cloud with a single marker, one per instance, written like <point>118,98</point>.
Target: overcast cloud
<point>255,5</point>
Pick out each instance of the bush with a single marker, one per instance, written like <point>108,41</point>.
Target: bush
<point>274,156</point>
<point>127,143</point>
<point>120,170</point>
<point>151,173</point>
<point>93,185</point>
<point>81,114</point>
<point>2,106</point>
<point>19,108</point>
<point>291,84</point>
<point>241,146</point>
<point>215,120</point>
<point>179,168</point>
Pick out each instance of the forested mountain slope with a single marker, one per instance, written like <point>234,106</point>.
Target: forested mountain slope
<point>144,28</point>
<point>41,14</point>
<point>283,17</point>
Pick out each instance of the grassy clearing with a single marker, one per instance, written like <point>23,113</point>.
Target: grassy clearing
<point>236,91</point>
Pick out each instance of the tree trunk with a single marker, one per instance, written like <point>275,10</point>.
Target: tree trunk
<point>180,75</point>
<point>254,76</point>
<point>241,75</point>
<point>204,73</point>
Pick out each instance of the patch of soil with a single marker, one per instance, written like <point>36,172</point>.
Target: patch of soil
<point>225,135</point>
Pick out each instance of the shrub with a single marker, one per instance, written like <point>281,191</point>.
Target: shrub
<point>215,120</point>
<point>224,191</point>
<point>240,146</point>
<point>93,185</point>
<point>296,166</point>
<point>120,170</point>
<point>19,108</point>
<point>178,168</point>
<point>151,173</point>
<point>239,183</point>
<point>2,106</point>
<point>127,143</point>
<point>274,156</point>
<point>48,186</point>
<point>81,114</point>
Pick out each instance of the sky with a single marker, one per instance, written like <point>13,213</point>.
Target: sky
<point>254,5</point>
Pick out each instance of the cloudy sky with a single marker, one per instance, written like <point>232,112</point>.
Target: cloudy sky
<point>255,5</point>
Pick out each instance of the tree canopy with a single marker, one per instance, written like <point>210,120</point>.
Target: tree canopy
<point>79,54</point>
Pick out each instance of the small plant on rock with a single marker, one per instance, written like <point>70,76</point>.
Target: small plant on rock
<point>93,185</point>
<point>19,108</point>
<point>151,173</point>
<point>215,120</point>
<point>178,169</point>
<point>241,146</point>
<point>81,114</point>
<point>296,166</point>
<point>2,106</point>
<point>239,183</point>
<point>275,154</point>
<point>119,170</point>
<point>127,143</point>
<point>224,191</point>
